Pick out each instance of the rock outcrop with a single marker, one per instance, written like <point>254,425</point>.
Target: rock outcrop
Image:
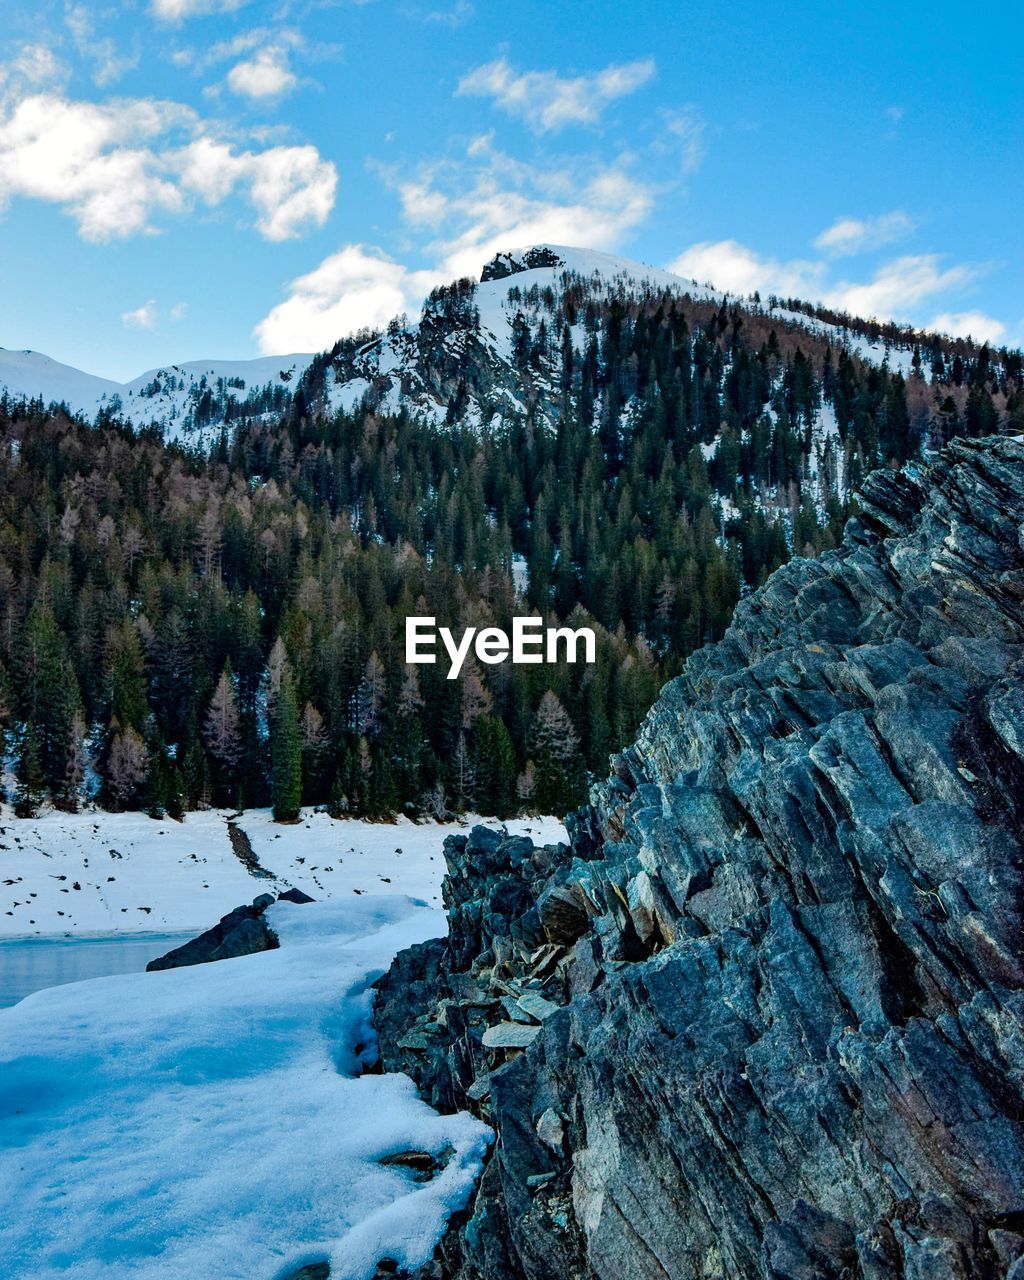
<point>765,1017</point>
<point>242,932</point>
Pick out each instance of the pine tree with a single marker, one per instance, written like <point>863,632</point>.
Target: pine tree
<point>314,749</point>
<point>176,797</point>
<point>286,754</point>
<point>554,746</point>
<point>69,795</point>
<point>29,790</point>
<point>495,768</point>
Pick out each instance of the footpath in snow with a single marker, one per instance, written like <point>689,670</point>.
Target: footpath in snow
<point>104,873</point>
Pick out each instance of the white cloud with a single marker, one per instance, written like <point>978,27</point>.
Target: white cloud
<point>858,235</point>
<point>291,188</point>
<point>114,166</point>
<point>267,75</point>
<point>893,292</point>
<point>353,288</point>
<point>456,16</point>
<point>35,66</point>
<point>683,131</point>
<point>548,101</point>
<point>144,317</point>
<point>968,324</point>
<point>491,202</point>
<point>899,284</point>
<point>91,159</point>
<point>733,268</point>
<point>179,311</point>
<point>109,63</point>
<point>177,10</point>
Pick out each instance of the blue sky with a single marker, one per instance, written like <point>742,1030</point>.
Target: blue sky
<point>190,178</point>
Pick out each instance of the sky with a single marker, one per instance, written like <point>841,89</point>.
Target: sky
<point>183,179</point>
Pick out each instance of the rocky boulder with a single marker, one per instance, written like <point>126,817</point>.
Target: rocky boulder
<point>765,1017</point>
<point>241,932</point>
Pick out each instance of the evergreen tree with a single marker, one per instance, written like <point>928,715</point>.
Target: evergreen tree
<point>554,747</point>
<point>495,768</point>
<point>29,774</point>
<point>69,795</point>
<point>286,754</point>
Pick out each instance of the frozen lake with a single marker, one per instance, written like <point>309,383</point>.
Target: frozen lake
<point>30,964</point>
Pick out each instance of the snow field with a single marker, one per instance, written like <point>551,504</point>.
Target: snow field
<point>95,872</point>
<point>212,1121</point>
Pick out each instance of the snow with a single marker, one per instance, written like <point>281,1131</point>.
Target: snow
<point>900,360</point>
<point>31,374</point>
<point>213,1121</point>
<point>169,397</point>
<point>164,397</point>
<point>343,397</point>
<point>139,875</point>
<point>520,574</point>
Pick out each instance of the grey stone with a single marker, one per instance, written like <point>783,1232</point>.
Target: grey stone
<point>510,1035</point>
<point>785,943</point>
<point>241,932</point>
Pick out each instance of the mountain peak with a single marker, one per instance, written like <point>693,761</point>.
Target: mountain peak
<point>517,261</point>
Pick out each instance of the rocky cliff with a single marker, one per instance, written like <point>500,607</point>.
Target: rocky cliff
<point>765,1017</point>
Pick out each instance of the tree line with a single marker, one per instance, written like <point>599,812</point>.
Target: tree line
<point>180,629</point>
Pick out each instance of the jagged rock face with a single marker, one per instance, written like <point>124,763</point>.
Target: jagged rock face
<point>503,265</point>
<point>785,947</point>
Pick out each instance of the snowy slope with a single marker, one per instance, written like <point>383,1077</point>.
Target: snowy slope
<point>30,374</point>
<point>215,1121</point>
<point>187,401</point>
<point>416,367</point>
<point>100,873</point>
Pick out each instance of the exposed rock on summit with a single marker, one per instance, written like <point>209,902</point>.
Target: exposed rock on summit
<point>765,1017</point>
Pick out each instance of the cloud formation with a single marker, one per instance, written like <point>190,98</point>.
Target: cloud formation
<point>116,166</point>
<point>858,235</point>
<point>548,101</point>
<point>893,291</point>
<point>266,75</point>
<point>109,63</point>
<point>354,288</point>
<point>734,268</point>
<point>144,317</point>
<point>968,324</point>
<point>178,10</point>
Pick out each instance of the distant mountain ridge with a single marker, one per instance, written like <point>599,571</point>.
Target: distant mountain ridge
<point>456,363</point>
<point>187,401</point>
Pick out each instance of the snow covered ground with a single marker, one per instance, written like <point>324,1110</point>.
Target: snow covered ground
<point>100,873</point>
<point>167,397</point>
<point>213,1121</point>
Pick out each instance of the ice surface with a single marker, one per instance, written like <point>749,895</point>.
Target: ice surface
<point>211,1121</point>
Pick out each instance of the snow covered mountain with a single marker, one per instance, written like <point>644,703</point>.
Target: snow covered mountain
<point>185,401</point>
<point>475,349</point>
<point>464,359</point>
